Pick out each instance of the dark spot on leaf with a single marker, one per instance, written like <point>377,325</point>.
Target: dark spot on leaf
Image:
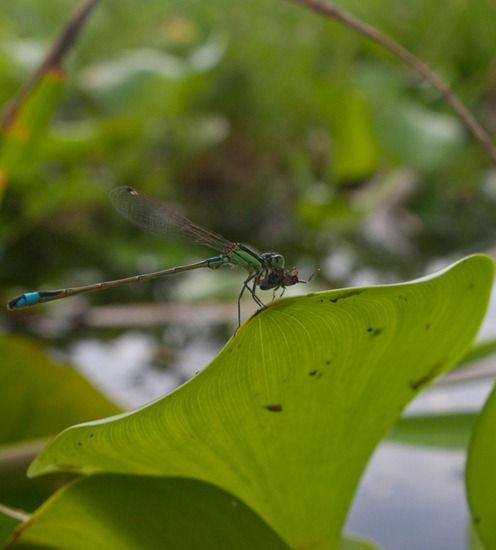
<point>477,520</point>
<point>91,435</point>
<point>277,407</point>
<point>328,362</point>
<point>344,295</point>
<point>80,444</point>
<point>425,380</point>
<point>427,326</point>
<point>312,372</point>
<point>374,331</point>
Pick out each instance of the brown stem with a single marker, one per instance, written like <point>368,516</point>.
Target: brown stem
<point>375,35</point>
<point>53,59</point>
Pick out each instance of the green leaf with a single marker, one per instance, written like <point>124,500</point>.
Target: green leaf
<point>288,414</point>
<point>473,540</point>
<point>480,350</point>
<point>356,151</point>
<point>21,135</point>
<point>39,396</point>
<point>481,474</point>
<point>357,543</point>
<point>419,137</point>
<point>114,511</point>
<point>7,525</point>
<point>448,431</point>
<point>146,80</point>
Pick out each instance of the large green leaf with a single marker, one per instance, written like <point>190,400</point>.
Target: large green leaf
<point>287,415</point>
<point>114,511</point>
<point>481,474</point>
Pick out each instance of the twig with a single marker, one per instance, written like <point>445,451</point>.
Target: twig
<point>53,59</point>
<point>375,35</point>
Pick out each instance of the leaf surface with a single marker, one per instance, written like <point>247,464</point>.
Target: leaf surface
<point>481,474</point>
<point>288,414</point>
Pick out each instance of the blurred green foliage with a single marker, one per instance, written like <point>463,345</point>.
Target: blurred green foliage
<point>262,121</point>
<point>266,123</point>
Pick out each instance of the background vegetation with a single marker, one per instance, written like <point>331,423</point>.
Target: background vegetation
<point>265,122</point>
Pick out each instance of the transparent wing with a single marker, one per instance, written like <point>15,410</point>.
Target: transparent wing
<point>156,217</point>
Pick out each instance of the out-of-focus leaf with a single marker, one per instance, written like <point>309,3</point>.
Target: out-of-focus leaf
<point>352,542</point>
<point>39,396</point>
<point>26,118</point>
<point>418,137</point>
<point>20,136</point>
<point>474,542</point>
<point>132,82</point>
<point>479,351</point>
<point>17,490</point>
<point>355,145</point>
<point>447,431</point>
<point>7,525</point>
<point>481,474</point>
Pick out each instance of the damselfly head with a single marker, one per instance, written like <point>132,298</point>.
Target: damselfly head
<point>274,261</point>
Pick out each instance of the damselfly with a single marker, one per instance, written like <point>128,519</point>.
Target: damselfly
<point>265,271</point>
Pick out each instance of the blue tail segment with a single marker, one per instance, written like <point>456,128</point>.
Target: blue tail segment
<point>31,298</point>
